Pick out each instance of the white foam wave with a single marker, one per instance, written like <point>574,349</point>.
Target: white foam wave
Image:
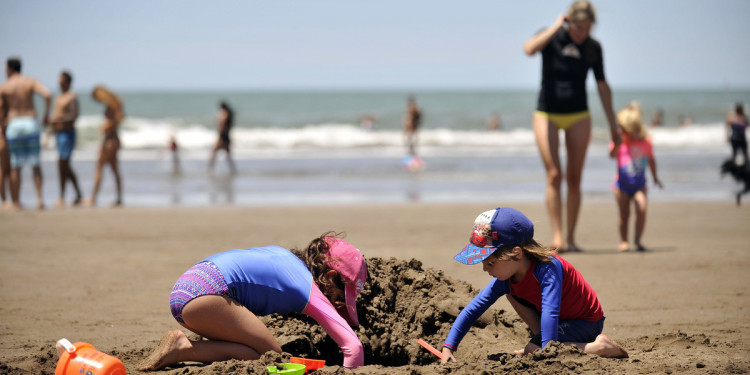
<point>142,133</point>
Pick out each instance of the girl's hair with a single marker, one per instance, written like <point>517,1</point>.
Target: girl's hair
<point>630,120</point>
<point>315,257</point>
<point>581,10</point>
<point>532,249</point>
<point>739,109</point>
<point>107,97</point>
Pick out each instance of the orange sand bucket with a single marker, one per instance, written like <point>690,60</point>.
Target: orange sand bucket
<point>310,364</point>
<point>82,358</point>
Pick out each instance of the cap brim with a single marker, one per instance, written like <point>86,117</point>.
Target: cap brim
<point>473,254</point>
<point>349,313</point>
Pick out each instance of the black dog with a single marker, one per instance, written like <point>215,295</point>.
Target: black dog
<point>740,174</point>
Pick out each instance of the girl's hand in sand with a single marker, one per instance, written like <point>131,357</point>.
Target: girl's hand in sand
<point>447,356</point>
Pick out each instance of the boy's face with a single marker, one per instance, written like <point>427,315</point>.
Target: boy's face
<point>500,269</point>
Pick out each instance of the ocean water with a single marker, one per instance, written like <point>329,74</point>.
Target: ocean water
<point>308,148</point>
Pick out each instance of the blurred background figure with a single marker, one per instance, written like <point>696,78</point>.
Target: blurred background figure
<point>412,121</point>
<point>367,122</point>
<point>736,126</point>
<point>684,121</point>
<point>493,123</point>
<point>22,131</point>
<point>224,122</point>
<point>63,124</point>
<point>658,118</point>
<point>113,115</point>
<point>175,152</point>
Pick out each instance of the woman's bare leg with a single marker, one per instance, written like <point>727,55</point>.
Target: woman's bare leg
<point>115,165</point>
<point>97,179</point>
<point>233,332</point>
<point>548,142</point>
<point>576,143</point>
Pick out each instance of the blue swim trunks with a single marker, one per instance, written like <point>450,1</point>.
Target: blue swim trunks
<point>66,142</point>
<point>23,141</point>
<point>578,330</point>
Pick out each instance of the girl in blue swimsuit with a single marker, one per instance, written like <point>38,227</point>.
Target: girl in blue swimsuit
<point>222,296</point>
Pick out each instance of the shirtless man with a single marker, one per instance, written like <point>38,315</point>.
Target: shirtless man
<point>63,122</point>
<point>18,116</point>
<point>411,125</point>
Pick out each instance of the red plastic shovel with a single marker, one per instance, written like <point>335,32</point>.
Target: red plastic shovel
<point>430,348</point>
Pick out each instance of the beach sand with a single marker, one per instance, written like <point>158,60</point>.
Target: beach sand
<point>103,276</point>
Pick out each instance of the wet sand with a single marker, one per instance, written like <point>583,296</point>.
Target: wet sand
<point>103,276</point>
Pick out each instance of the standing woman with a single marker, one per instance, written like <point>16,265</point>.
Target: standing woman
<point>568,52</point>
<point>113,115</point>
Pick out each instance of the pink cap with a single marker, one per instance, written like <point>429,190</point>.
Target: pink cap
<point>350,264</point>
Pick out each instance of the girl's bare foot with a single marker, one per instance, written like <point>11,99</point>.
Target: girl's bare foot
<point>166,352</point>
<point>624,246</point>
<point>603,346</point>
<point>60,203</point>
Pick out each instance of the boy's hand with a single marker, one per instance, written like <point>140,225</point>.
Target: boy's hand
<point>447,356</point>
<point>658,183</point>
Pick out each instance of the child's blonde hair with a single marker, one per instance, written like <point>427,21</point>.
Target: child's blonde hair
<point>532,249</point>
<point>631,121</point>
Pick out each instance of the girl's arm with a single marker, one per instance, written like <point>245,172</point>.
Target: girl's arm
<point>540,40</point>
<point>321,309</point>
<point>494,290</point>
<point>652,166</point>
<point>550,276</point>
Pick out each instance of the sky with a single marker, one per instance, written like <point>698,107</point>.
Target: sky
<point>351,44</point>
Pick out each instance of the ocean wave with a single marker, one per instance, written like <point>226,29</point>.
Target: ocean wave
<point>143,133</point>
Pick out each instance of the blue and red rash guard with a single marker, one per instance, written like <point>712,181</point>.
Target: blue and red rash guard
<point>556,289</point>
<point>271,279</point>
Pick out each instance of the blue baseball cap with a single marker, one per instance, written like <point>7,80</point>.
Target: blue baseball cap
<point>503,226</point>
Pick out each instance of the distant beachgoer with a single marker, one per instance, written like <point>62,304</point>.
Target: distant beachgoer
<point>493,124</point>
<point>684,121</point>
<point>224,122</point>
<point>368,122</point>
<point>174,150</point>
<point>63,124</point>
<point>658,118</point>
<point>113,115</point>
<point>221,297</point>
<point>736,127</point>
<point>22,131</point>
<point>633,156</point>
<point>568,52</point>
<point>412,120</point>
<point>546,291</point>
